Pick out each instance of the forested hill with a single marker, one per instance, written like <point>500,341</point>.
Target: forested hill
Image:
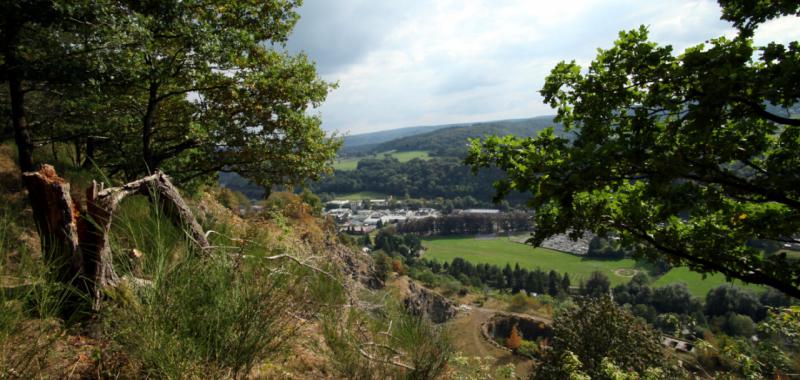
<point>452,141</point>
<point>368,141</point>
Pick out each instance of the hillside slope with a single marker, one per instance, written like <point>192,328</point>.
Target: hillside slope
<point>367,141</point>
<point>452,141</point>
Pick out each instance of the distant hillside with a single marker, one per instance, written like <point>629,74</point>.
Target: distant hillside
<point>367,141</point>
<point>452,141</point>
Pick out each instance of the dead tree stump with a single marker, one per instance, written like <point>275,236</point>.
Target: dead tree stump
<point>57,220</point>
<point>78,246</point>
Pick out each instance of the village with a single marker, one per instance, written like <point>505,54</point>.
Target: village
<point>367,215</point>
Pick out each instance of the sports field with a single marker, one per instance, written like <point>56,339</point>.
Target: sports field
<point>352,163</point>
<point>501,251</point>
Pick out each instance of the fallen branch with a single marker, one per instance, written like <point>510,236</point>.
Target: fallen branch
<point>392,362</point>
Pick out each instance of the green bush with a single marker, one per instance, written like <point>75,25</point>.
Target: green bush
<point>201,318</point>
<point>528,348</point>
<point>389,344</point>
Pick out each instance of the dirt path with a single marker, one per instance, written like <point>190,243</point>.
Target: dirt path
<point>468,339</point>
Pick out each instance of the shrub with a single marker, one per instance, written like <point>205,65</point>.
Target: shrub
<point>201,318</point>
<point>597,330</point>
<point>397,267</point>
<point>529,349</point>
<point>391,344</point>
<point>520,303</point>
<point>514,339</point>
<point>382,265</point>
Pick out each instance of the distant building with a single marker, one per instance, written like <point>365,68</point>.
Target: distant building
<point>677,344</point>
<point>337,204</point>
<point>394,218</point>
<point>379,203</point>
<point>480,211</point>
<point>341,214</point>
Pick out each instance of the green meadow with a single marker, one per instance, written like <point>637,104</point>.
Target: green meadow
<point>352,163</point>
<point>361,195</point>
<point>501,251</point>
<point>696,283</point>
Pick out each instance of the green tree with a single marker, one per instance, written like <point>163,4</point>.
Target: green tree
<point>689,156</point>
<point>49,48</point>
<point>190,87</point>
<point>383,266</point>
<point>250,115</point>
<point>597,286</point>
<point>597,331</point>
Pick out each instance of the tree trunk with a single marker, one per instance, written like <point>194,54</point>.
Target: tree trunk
<point>12,73</point>
<point>89,159</point>
<point>78,150</point>
<point>79,247</point>
<point>22,133</point>
<point>57,221</point>
<point>147,127</point>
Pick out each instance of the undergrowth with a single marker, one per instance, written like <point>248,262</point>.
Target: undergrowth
<point>385,342</point>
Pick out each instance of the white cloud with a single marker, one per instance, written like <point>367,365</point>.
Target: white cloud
<point>455,61</point>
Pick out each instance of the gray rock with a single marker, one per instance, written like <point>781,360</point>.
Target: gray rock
<point>434,306</point>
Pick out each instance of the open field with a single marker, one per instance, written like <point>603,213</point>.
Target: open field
<point>361,195</point>
<point>502,251</point>
<point>695,282</point>
<point>352,163</point>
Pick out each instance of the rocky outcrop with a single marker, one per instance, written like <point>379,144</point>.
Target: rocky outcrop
<point>421,301</point>
<point>357,265</point>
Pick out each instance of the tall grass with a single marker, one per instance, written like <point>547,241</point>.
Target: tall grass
<point>210,315</point>
<point>385,343</point>
<point>31,302</point>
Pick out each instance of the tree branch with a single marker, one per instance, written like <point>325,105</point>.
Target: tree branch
<point>754,276</point>
<point>760,111</point>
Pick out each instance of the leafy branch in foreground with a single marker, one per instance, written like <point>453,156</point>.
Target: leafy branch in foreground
<point>691,156</point>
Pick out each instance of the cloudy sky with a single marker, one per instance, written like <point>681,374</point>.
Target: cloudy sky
<point>408,63</point>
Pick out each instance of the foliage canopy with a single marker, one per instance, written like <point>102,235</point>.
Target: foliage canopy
<point>191,87</point>
<point>692,155</point>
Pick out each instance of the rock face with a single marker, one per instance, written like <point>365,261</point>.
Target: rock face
<point>357,265</point>
<point>434,306</point>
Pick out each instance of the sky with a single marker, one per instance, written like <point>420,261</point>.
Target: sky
<point>410,63</point>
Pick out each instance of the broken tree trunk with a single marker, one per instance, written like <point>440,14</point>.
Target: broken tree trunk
<point>57,219</point>
<point>83,242</point>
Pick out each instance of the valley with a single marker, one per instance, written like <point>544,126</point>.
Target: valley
<point>502,251</point>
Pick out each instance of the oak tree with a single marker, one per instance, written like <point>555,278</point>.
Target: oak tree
<point>688,156</point>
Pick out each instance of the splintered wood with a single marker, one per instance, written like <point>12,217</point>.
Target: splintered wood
<point>77,246</point>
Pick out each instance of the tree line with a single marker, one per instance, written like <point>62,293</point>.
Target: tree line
<point>516,279</point>
<point>468,224</point>
<point>437,177</point>
<point>727,308</point>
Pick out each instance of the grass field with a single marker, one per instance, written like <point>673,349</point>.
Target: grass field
<point>361,195</point>
<point>502,251</point>
<point>695,282</point>
<point>352,163</point>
